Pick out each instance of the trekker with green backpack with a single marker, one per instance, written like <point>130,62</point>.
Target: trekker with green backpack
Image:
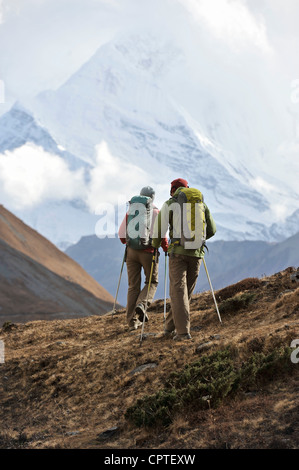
<point>136,232</point>
<point>190,223</point>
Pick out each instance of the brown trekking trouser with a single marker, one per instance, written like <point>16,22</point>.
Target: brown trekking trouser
<point>136,260</point>
<point>183,274</point>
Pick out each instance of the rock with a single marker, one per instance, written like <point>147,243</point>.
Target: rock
<point>295,276</point>
<point>196,328</point>
<point>107,434</point>
<point>73,433</point>
<point>204,346</point>
<point>8,325</point>
<point>287,291</point>
<point>143,367</point>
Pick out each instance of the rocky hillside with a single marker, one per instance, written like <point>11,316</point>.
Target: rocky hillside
<point>38,281</point>
<point>90,383</point>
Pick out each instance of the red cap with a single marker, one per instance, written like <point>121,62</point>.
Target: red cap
<point>179,183</point>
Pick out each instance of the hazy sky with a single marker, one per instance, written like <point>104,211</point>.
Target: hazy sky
<point>42,42</point>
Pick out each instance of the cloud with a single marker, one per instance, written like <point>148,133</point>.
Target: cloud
<point>29,176</point>
<point>112,183</point>
<point>112,179</point>
<point>42,42</point>
<point>282,200</point>
<point>2,92</point>
<point>230,21</point>
<point>279,211</point>
<point>261,185</point>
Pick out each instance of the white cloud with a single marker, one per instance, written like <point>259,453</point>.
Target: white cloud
<point>2,92</point>
<point>112,177</point>
<point>280,202</point>
<point>42,42</point>
<point>230,21</point>
<point>29,176</point>
<point>279,211</point>
<point>113,181</point>
<point>261,185</point>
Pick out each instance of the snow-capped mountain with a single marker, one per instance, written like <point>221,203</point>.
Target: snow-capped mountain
<point>120,98</point>
<point>18,127</point>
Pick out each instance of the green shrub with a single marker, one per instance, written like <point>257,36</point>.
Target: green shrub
<point>237,302</point>
<point>264,368</point>
<point>206,383</point>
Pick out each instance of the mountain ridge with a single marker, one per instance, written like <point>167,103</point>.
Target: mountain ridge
<point>29,291</point>
<point>37,277</point>
<point>27,240</point>
<point>227,261</point>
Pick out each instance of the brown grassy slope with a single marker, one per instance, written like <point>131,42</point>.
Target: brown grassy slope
<point>65,382</point>
<point>29,242</point>
<point>29,291</point>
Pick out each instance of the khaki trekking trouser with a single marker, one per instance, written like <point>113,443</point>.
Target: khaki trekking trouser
<point>136,260</point>
<point>183,274</point>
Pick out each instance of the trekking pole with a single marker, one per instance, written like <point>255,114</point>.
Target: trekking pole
<point>121,271</point>
<point>212,289</point>
<point>148,289</point>
<point>165,288</point>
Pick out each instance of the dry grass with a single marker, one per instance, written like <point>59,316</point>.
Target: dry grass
<point>64,382</point>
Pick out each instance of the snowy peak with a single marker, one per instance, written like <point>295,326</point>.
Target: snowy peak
<point>144,55</point>
<point>123,73</point>
<point>19,127</point>
<point>118,98</point>
<point>147,54</point>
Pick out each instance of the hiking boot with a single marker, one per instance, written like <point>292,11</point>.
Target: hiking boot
<point>140,312</point>
<point>165,335</point>
<point>182,337</point>
<point>135,325</point>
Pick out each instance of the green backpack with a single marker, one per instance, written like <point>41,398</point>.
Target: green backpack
<point>139,222</point>
<point>189,222</point>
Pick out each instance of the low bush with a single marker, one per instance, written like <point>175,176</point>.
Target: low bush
<point>206,383</point>
<point>237,302</point>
